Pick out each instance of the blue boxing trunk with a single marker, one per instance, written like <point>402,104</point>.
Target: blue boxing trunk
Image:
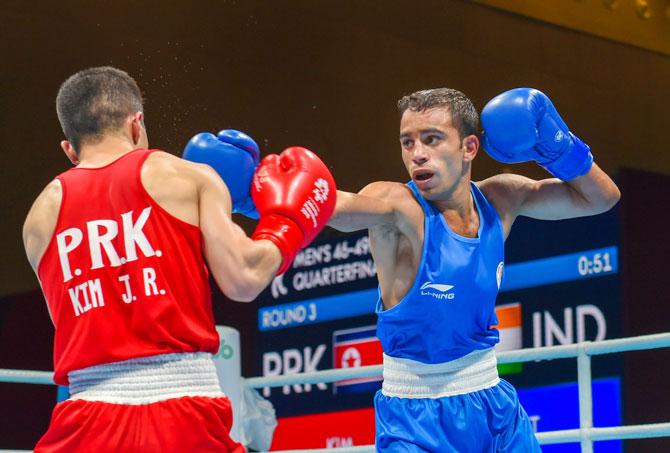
<point>441,390</point>
<point>488,420</point>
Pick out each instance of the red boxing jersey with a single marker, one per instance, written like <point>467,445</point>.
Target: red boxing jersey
<point>123,278</point>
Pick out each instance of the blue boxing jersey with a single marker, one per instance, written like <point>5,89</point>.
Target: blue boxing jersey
<point>449,312</point>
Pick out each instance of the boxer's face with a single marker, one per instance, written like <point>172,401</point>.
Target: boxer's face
<point>436,157</point>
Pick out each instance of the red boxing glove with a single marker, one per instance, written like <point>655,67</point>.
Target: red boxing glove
<point>295,196</point>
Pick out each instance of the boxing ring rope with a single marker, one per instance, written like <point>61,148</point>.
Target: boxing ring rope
<point>586,434</point>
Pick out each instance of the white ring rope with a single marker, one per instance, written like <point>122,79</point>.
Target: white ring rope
<point>26,376</point>
<point>644,342</point>
<point>582,351</point>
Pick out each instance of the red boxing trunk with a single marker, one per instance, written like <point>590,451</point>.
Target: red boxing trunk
<point>189,424</point>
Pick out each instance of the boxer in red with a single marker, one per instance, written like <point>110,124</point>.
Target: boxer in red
<point>123,244</point>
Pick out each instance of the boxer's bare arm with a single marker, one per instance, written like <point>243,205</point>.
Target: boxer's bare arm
<point>550,199</point>
<point>241,266</point>
<point>41,222</point>
<point>195,194</point>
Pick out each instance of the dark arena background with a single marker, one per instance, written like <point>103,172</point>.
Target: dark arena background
<point>327,75</point>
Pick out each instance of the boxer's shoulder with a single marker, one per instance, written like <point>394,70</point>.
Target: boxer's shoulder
<point>506,193</point>
<point>163,162</point>
<point>407,211</point>
<point>162,168</point>
<point>398,195</point>
<point>47,203</point>
<point>505,189</point>
<point>174,184</point>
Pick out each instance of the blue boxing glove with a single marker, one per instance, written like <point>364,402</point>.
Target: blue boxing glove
<point>234,155</point>
<point>522,124</point>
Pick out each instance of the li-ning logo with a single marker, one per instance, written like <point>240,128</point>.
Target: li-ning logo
<point>437,290</point>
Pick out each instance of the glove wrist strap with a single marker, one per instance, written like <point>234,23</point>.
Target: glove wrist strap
<point>284,233</point>
<point>575,161</point>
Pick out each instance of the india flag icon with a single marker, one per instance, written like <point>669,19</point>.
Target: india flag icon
<point>510,330</point>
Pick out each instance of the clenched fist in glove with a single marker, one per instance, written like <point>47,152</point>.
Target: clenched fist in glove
<point>234,155</point>
<point>522,124</point>
<point>295,196</point>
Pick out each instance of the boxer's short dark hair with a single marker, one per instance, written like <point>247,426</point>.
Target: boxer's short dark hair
<point>94,101</point>
<point>463,113</point>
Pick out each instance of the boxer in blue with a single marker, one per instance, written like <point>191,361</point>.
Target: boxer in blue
<point>438,244</point>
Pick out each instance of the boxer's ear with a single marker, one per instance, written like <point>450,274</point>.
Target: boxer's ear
<point>70,152</point>
<point>136,125</point>
<point>470,147</point>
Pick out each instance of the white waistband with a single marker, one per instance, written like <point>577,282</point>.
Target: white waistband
<point>147,379</point>
<point>405,378</point>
